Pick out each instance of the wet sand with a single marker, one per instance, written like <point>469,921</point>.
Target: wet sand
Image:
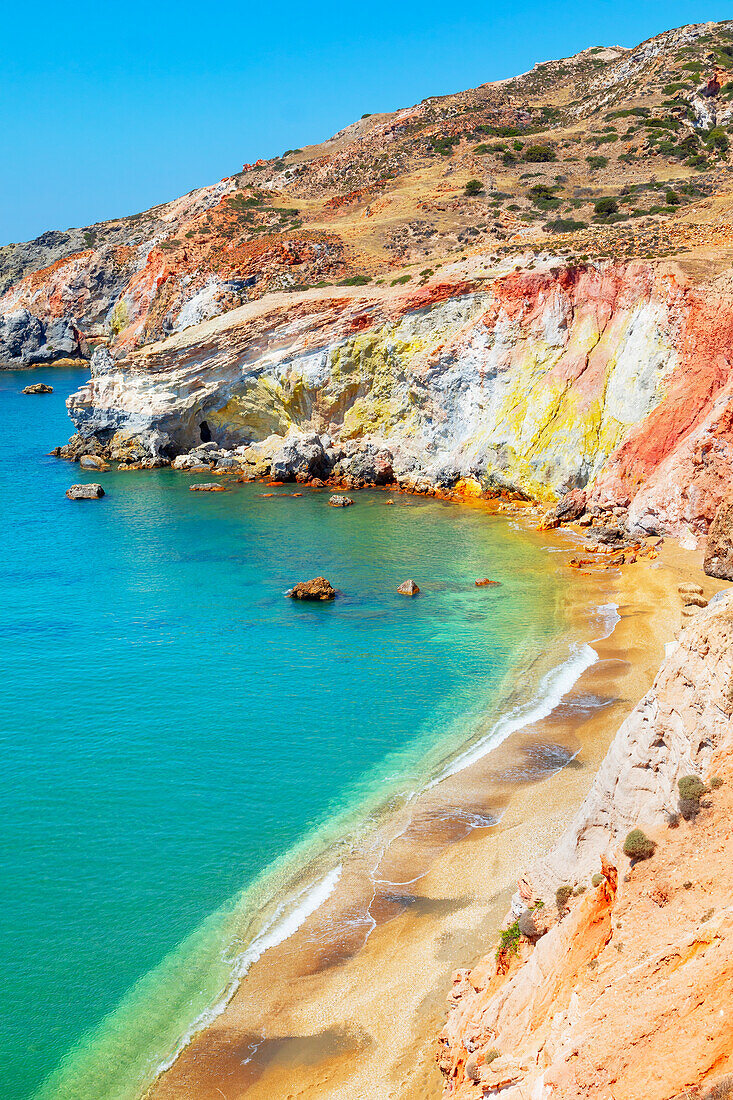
<point>351,1004</point>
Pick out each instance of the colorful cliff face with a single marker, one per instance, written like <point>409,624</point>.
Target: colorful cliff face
<point>614,378</point>
<point>626,990</point>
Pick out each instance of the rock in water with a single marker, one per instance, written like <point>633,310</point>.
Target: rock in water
<point>719,553</point>
<point>38,387</point>
<point>486,583</point>
<point>92,462</point>
<point>340,501</point>
<point>85,492</point>
<point>571,506</point>
<point>317,589</point>
<point>208,487</point>
<point>408,588</point>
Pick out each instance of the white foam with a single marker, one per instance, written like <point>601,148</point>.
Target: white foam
<point>552,688</point>
<point>285,921</point>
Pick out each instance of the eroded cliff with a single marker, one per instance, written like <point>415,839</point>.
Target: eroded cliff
<point>623,987</point>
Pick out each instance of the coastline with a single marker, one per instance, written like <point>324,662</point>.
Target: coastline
<point>326,1028</point>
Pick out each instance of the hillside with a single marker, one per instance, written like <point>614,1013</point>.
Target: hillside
<point>646,130</point>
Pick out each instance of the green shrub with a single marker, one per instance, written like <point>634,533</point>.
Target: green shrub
<point>597,879</point>
<point>606,206</point>
<point>715,783</point>
<point>473,187</point>
<point>691,788</point>
<point>562,896</point>
<point>597,161</point>
<point>400,280</point>
<point>356,280</point>
<point>564,225</point>
<point>509,940</point>
<point>539,154</point>
<point>509,159</point>
<point>638,845</point>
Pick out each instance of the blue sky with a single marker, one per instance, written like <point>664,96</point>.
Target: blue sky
<point>108,109</point>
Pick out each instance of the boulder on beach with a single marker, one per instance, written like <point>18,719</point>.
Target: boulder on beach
<point>38,387</point>
<point>338,501</point>
<point>486,583</point>
<point>408,588</point>
<point>85,492</point>
<point>208,487</point>
<point>317,589</point>
<point>719,553</point>
<point>571,506</point>
<point>300,458</point>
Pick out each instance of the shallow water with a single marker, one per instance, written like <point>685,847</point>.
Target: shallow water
<point>172,724</point>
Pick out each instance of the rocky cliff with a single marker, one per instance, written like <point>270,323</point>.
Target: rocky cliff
<point>617,978</point>
<point>527,284</point>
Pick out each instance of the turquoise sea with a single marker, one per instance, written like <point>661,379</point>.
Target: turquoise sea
<point>177,737</point>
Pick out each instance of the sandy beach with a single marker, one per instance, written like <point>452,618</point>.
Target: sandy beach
<point>351,1004</point>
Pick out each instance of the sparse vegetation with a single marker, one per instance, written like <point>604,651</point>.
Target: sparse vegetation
<point>638,845</point>
<point>597,879</point>
<point>509,940</point>
<point>473,187</point>
<point>539,154</point>
<point>562,897</point>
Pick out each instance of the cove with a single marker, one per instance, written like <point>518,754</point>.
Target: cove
<point>173,726</point>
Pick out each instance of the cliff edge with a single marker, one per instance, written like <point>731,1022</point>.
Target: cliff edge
<point>614,976</point>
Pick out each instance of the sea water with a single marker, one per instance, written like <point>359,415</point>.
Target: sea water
<point>178,737</point>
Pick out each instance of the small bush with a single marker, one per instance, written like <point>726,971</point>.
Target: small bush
<point>687,885</point>
<point>539,154</point>
<point>691,788</point>
<point>672,198</point>
<point>400,280</point>
<point>606,206</point>
<point>564,225</point>
<point>355,280</point>
<point>509,940</point>
<point>473,187</point>
<point>490,1056</point>
<point>715,783</point>
<point>638,845</point>
<point>597,161</point>
<point>597,879</point>
<point>508,159</point>
<point>562,897</point>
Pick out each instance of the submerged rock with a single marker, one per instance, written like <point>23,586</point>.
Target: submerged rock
<point>719,553</point>
<point>38,387</point>
<point>85,492</point>
<point>486,583</point>
<point>337,501</point>
<point>317,589</point>
<point>208,487</point>
<point>408,588</point>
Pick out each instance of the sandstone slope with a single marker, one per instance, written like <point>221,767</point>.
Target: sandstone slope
<point>627,993</point>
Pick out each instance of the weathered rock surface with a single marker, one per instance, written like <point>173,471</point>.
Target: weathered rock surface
<point>26,339</point>
<point>208,487</point>
<point>38,387</point>
<point>300,457</point>
<point>592,1010</point>
<point>719,551</point>
<point>408,588</point>
<point>317,589</point>
<point>338,501</point>
<point>85,492</point>
<point>571,506</point>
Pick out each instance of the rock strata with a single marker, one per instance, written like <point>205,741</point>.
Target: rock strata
<point>317,589</point>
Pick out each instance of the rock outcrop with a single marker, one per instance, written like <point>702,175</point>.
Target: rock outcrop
<point>592,1009</point>
<point>719,551</point>
<point>317,589</point>
<point>91,491</point>
<point>38,387</point>
<point>26,340</point>
<point>408,588</point>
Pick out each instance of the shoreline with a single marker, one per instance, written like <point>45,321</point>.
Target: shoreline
<point>318,995</point>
